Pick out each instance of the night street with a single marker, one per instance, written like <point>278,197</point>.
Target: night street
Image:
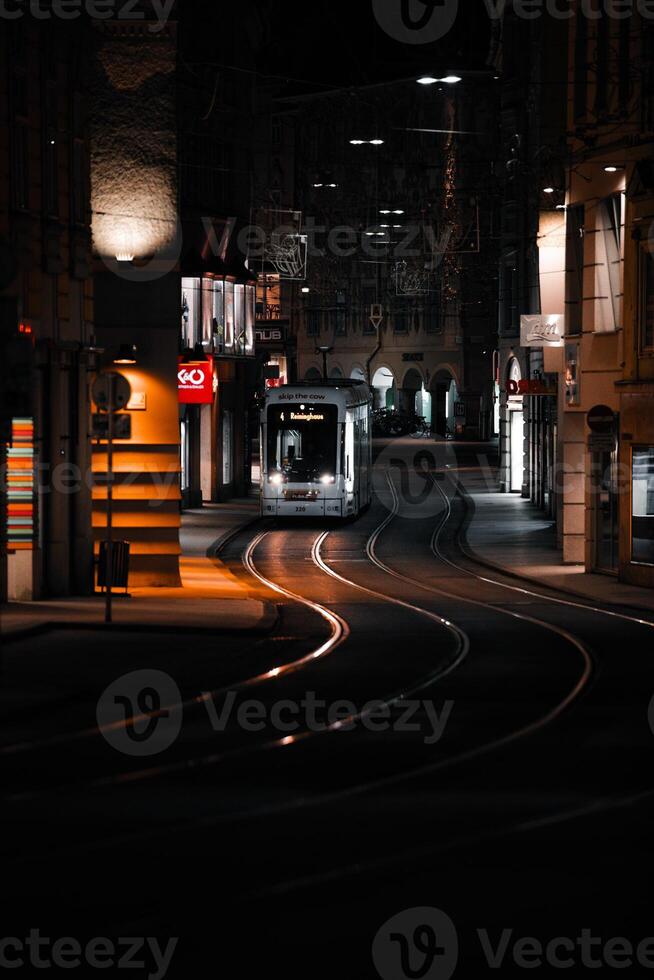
<point>326,488</point>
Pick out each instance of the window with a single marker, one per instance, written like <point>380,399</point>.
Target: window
<point>250,304</point>
<point>574,268</point>
<point>239,318</point>
<point>219,314</point>
<point>207,310</point>
<point>509,297</point>
<point>313,323</point>
<point>432,313</point>
<point>340,315</point>
<point>401,319</point>
<point>302,443</point>
<point>642,505</point>
<point>646,300</point>
<point>229,316</point>
<point>602,64</point>
<point>608,265</point>
<point>191,311</point>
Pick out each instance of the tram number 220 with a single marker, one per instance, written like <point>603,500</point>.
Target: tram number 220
<point>300,510</point>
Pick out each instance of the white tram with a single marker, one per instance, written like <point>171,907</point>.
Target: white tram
<point>316,449</point>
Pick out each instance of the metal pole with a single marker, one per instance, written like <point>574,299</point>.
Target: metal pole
<point>110,494</point>
<point>324,365</point>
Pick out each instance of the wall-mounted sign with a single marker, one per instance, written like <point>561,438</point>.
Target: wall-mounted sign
<point>195,382</point>
<point>413,356</point>
<point>541,330</point>
<point>530,386</point>
<point>137,402</point>
<point>269,335</point>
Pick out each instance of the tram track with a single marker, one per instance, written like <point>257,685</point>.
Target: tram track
<point>336,638</point>
<point>339,632</point>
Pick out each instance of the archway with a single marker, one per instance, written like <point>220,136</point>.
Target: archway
<point>335,373</point>
<point>383,384</point>
<point>411,385</point>
<point>516,431</point>
<point>312,374</point>
<point>357,373</point>
<point>444,397</point>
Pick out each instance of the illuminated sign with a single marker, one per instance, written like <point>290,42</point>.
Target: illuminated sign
<point>195,382</point>
<point>307,417</point>
<point>531,386</point>
<point>541,330</point>
<point>269,335</point>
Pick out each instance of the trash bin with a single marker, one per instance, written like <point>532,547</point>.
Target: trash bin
<point>120,565</point>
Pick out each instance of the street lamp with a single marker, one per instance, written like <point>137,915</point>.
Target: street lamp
<point>324,351</point>
<point>432,80</point>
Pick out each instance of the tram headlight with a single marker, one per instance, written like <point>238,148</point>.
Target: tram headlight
<point>276,479</point>
<point>326,478</point>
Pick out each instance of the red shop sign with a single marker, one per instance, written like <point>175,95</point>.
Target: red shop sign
<point>195,382</point>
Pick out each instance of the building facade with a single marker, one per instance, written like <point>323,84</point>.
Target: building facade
<point>531,59</point>
<point>46,297</point>
<point>392,278</point>
<point>594,266</point>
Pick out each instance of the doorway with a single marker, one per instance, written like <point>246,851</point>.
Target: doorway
<point>517,450</point>
<point>605,466</point>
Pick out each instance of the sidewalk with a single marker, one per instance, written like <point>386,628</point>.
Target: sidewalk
<point>508,532</point>
<point>211,598</point>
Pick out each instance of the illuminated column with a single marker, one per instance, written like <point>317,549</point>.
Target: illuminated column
<point>137,286</point>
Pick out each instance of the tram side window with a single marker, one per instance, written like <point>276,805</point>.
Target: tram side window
<point>642,496</point>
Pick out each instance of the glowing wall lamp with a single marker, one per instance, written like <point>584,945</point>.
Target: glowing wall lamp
<point>126,354</point>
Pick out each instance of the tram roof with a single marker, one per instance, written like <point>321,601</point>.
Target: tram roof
<point>343,391</point>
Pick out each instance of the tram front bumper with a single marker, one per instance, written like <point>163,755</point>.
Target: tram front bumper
<point>323,507</point>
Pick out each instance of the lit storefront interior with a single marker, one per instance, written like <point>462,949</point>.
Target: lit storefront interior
<point>216,369</point>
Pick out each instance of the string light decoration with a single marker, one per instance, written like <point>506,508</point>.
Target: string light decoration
<point>451,267</point>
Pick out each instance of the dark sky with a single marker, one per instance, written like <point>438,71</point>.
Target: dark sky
<point>336,42</point>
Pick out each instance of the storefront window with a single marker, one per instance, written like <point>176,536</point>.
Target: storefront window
<point>219,314</point>
<point>239,317</point>
<point>184,455</point>
<point>207,311</point>
<point>191,311</point>
<point>250,301</point>
<point>642,506</point>
<point>229,316</point>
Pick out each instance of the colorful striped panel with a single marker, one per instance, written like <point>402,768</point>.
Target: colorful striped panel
<point>20,486</point>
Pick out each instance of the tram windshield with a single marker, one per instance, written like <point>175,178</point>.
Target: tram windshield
<point>302,443</point>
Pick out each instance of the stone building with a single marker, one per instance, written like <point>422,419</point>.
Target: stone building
<point>395,218</point>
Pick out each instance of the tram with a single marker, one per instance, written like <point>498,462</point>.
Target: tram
<point>316,449</point>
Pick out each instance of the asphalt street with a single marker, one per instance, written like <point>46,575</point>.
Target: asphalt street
<point>414,731</point>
